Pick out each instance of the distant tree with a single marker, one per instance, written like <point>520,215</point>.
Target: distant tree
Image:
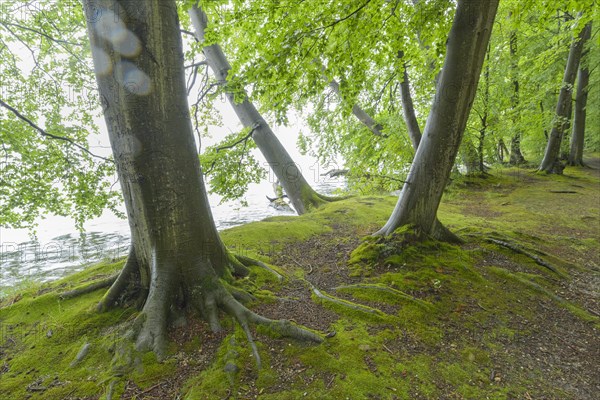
<point>300,193</point>
<point>551,162</point>
<point>516,157</point>
<point>578,136</point>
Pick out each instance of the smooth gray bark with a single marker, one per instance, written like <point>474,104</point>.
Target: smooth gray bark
<point>466,47</point>
<point>300,193</point>
<point>177,257</point>
<point>359,113</point>
<point>577,138</point>
<point>408,110</point>
<point>551,162</point>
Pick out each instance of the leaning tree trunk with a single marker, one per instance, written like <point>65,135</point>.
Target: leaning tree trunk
<point>516,157</point>
<point>177,261</point>
<point>577,138</point>
<point>551,162</point>
<point>408,110</point>
<point>358,112</point>
<point>466,47</point>
<point>300,193</point>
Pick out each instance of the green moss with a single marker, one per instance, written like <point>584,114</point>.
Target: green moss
<point>527,280</point>
<point>448,311</point>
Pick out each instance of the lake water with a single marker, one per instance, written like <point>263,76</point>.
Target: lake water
<point>59,249</point>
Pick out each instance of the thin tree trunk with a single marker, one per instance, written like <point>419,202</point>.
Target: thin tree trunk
<point>501,150</point>
<point>516,157</point>
<point>470,158</point>
<point>551,162</point>
<point>466,47</point>
<point>486,110</point>
<point>577,138</point>
<point>177,258</point>
<point>359,113</point>
<point>300,193</point>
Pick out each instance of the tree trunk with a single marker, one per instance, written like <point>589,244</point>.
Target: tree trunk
<point>551,162</point>
<point>177,259</point>
<point>576,151</point>
<point>486,111</point>
<point>501,150</point>
<point>516,157</point>
<point>359,113</point>
<point>466,47</point>
<point>300,193</point>
<point>470,158</point>
<point>408,110</point>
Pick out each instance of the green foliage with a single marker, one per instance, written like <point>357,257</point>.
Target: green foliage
<point>231,167</point>
<point>47,78</point>
<point>454,313</point>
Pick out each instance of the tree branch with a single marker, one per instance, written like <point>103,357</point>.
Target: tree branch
<point>50,135</point>
<point>245,138</point>
<point>58,41</point>
<point>337,21</point>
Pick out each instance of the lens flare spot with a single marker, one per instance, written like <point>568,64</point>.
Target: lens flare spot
<point>135,81</point>
<point>102,64</point>
<point>129,45</point>
<point>110,26</point>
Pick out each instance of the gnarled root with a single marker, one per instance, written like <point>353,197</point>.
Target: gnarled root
<point>521,251</point>
<point>387,289</point>
<point>173,289</point>
<point>221,299</point>
<point>125,278</point>
<point>250,262</point>
<point>104,283</point>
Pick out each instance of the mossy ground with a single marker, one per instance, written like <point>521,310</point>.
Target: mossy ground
<point>474,321</point>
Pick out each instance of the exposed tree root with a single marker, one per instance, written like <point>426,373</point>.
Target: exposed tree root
<point>335,198</point>
<point>443,234</point>
<point>126,277</point>
<point>80,355</point>
<point>104,283</point>
<point>170,295</point>
<point>387,290</point>
<point>249,262</point>
<point>519,250</point>
<point>345,303</point>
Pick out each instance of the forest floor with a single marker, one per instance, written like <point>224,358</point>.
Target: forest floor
<point>512,313</point>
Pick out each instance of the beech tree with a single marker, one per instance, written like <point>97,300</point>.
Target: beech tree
<point>578,135</point>
<point>302,196</point>
<point>177,262</point>
<point>551,162</point>
<point>466,48</point>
